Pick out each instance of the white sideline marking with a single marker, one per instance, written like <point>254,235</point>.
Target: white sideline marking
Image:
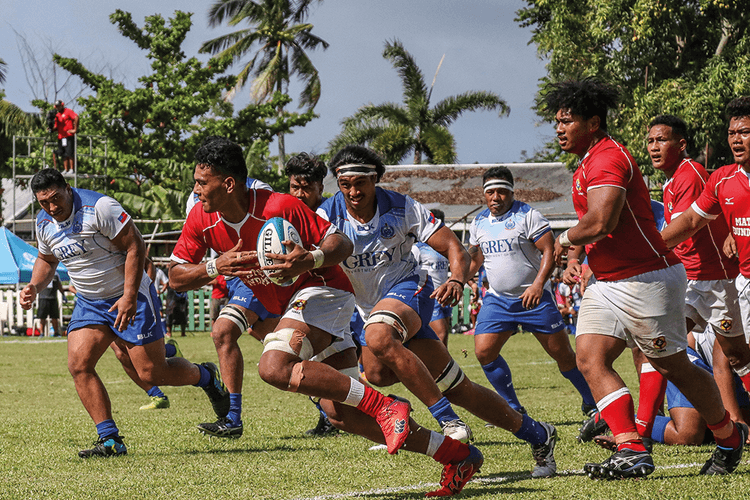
<point>480,480</point>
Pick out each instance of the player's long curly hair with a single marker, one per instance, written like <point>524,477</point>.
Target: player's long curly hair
<point>223,155</point>
<point>358,154</point>
<point>738,108</point>
<point>586,98</point>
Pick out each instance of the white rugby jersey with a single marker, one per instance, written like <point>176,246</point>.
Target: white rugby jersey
<point>83,243</point>
<point>382,247</point>
<point>511,259</point>
<point>250,183</point>
<point>432,262</point>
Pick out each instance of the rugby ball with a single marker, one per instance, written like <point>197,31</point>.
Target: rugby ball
<point>273,232</point>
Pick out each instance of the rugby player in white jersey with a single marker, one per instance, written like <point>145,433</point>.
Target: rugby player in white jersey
<point>395,301</point>
<point>438,268</point>
<point>116,301</point>
<point>514,242</point>
<point>315,309</point>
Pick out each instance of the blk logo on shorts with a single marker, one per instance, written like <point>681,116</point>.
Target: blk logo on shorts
<point>659,343</point>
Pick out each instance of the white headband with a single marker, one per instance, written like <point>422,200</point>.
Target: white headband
<point>356,169</point>
<point>497,183</point>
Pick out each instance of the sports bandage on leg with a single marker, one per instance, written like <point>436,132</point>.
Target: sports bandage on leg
<point>451,376</point>
<point>390,319</point>
<point>291,341</point>
<point>352,372</point>
<point>235,315</point>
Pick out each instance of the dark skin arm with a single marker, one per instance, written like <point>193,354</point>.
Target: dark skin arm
<point>41,274</point>
<point>683,227</point>
<point>129,240</point>
<point>533,294</point>
<point>445,242</point>
<point>604,207</point>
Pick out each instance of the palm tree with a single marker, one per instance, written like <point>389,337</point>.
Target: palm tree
<point>397,130</point>
<point>13,120</point>
<point>278,30</point>
<point>3,65</point>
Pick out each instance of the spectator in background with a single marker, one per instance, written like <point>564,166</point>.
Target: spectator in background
<point>48,307</point>
<point>176,310</point>
<point>66,124</point>
<point>438,268</point>
<point>219,297</point>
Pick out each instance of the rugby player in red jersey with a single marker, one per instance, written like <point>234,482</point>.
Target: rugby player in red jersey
<point>631,300</point>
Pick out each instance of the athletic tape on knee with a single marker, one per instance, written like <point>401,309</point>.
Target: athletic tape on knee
<point>297,375</point>
<point>452,376</point>
<point>352,372</point>
<point>289,340</point>
<point>235,315</point>
<point>391,319</point>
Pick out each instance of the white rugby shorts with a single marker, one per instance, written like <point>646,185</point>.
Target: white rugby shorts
<point>329,309</point>
<point>714,302</point>
<point>642,310</point>
<point>743,297</point>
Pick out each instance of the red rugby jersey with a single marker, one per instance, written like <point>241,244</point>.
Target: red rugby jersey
<point>635,246</point>
<point>728,191</point>
<point>208,230</point>
<point>702,255</point>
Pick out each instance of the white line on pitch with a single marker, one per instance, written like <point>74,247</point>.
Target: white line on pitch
<point>480,480</point>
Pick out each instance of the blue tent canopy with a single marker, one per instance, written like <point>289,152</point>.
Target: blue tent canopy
<point>17,260</point>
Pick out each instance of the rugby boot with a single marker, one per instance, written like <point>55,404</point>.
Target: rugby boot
<point>393,420</point>
<point>457,430</point>
<point>725,460</point>
<point>223,428</point>
<point>216,392</point>
<point>622,464</point>
<point>455,476</point>
<point>544,454</point>
<point>105,447</point>
<point>594,426</point>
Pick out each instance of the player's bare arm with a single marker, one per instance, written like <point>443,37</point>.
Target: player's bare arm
<point>477,259</point>
<point>574,270</point>
<point>683,227</point>
<point>234,262</point>
<point>130,241</point>
<point>604,207</point>
<point>730,246</point>
<point>445,242</point>
<point>336,247</point>
<point>41,275</point>
<point>533,294</point>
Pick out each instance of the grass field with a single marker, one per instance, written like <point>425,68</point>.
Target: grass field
<point>43,425</point>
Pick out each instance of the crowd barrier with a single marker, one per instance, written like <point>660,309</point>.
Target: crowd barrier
<point>16,321</point>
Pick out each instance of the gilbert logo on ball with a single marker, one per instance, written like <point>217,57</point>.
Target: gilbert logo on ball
<point>273,232</point>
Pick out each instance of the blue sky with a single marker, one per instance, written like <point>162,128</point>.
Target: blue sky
<point>484,50</point>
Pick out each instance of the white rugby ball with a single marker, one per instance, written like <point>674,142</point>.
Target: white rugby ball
<point>273,232</point>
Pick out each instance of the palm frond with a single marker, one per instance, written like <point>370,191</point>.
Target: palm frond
<point>450,108</point>
<point>411,77</point>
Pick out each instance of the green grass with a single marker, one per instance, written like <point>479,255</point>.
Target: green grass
<point>43,425</point>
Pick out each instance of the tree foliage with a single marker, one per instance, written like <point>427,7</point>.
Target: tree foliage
<point>396,131</point>
<point>280,40</point>
<point>684,57</point>
<point>153,130</point>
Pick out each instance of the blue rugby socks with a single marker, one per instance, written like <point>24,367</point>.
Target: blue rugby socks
<point>498,374</point>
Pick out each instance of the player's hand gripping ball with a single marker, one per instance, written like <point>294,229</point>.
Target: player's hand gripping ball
<point>273,232</point>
